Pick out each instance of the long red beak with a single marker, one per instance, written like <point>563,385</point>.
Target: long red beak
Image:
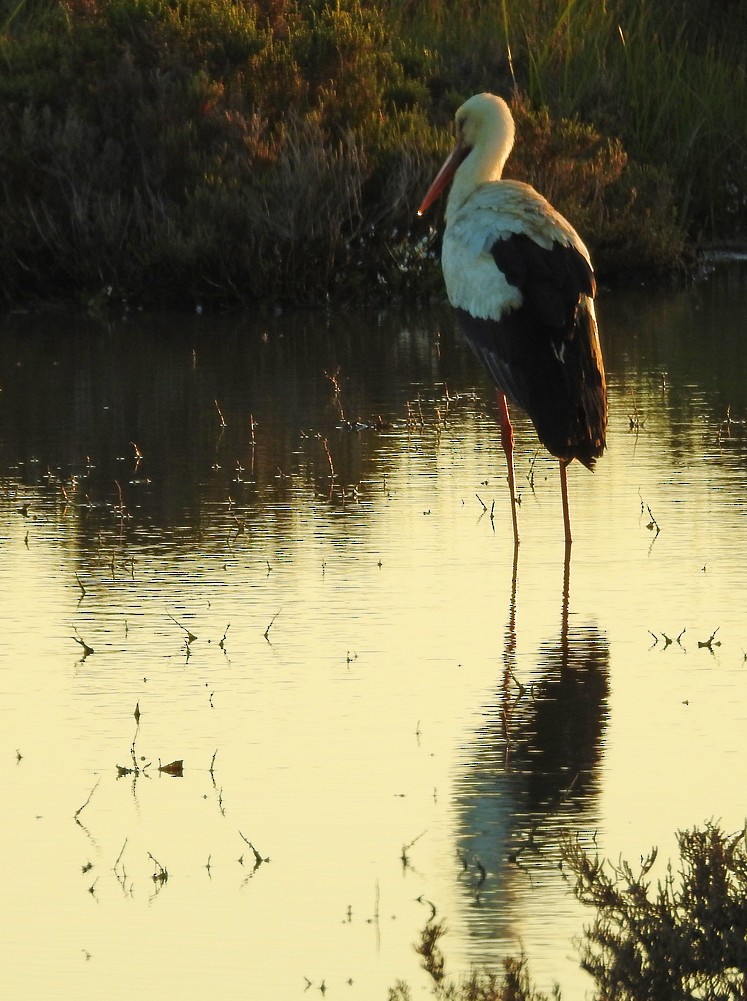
<point>444,176</point>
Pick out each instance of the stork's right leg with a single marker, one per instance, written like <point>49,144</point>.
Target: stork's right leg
<point>564,497</point>
<point>507,440</point>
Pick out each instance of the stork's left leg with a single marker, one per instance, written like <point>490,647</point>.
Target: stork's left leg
<point>564,495</point>
<point>507,440</point>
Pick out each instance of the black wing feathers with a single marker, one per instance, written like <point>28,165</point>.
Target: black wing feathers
<point>545,355</point>
<point>551,281</point>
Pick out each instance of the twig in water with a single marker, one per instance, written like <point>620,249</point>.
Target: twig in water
<point>325,443</point>
<point>653,525</point>
<point>530,474</point>
<point>258,860</point>
<point>408,846</point>
<point>709,643</point>
<point>190,636</point>
<point>161,875</point>
<point>82,808</point>
<point>119,857</point>
<point>87,650</point>
<point>635,422</point>
<point>272,620</point>
<point>424,900</point>
<point>334,381</point>
<point>121,507</point>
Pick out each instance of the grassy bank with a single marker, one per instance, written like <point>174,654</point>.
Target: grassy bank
<point>275,151</point>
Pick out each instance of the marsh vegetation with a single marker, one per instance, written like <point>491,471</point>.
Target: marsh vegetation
<point>680,937</point>
<point>275,151</point>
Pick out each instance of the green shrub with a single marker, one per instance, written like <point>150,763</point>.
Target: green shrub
<point>228,150</point>
<point>682,940</point>
<point>203,149</point>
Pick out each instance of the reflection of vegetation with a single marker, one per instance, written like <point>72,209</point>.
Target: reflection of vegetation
<point>685,939</point>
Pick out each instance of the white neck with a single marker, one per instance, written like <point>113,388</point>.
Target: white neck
<point>486,126</point>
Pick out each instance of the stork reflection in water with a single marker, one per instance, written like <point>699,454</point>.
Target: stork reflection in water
<point>534,761</point>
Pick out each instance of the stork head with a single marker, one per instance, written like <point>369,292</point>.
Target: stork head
<point>484,138</point>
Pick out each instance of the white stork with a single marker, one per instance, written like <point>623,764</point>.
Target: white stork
<point>521,281</point>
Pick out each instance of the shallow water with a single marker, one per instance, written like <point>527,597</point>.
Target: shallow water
<point>375,697</point>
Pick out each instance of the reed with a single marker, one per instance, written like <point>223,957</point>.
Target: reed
<point>668,80</point>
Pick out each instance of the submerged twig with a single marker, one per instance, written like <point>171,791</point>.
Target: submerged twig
<point>408,846</point>
<point>258,859</point>
<point>82,808</point>
<point>87,650</point>
<point>272,620</point>
<point>190,636</point>
<point>709,644</point>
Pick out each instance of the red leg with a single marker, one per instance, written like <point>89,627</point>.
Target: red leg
<point>564,495</point>
<point>507,440</point>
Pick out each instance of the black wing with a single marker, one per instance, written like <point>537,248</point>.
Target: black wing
<point>551,281</point>
<point>545,354</point>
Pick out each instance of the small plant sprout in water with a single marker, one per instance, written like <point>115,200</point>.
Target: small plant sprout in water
<point>272,622</point>
<point>334,380</point>
<point>635,421</point>
<point>90,795</point>
<point>330,463</point>
<point>653,525</point>
<point>668,640</point>
<point>725,427</point>
<point>405,849</point>
<point>161,874</point>
<point>711,642</point>
<point>87,650</point>
<point>258,859</point>
<point>190,637</point>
